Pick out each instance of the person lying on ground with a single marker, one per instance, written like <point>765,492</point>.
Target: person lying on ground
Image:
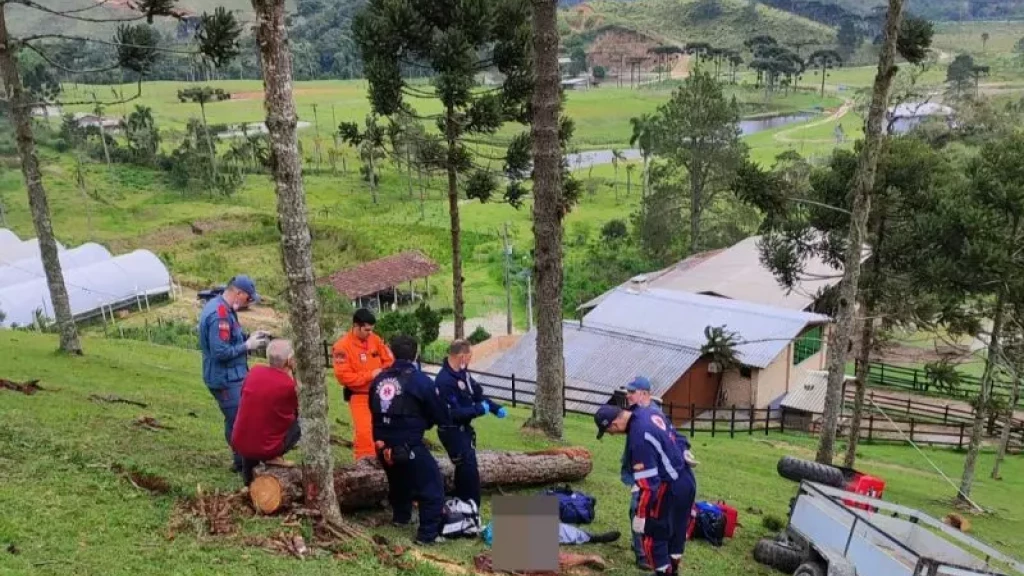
<point>267,426</point>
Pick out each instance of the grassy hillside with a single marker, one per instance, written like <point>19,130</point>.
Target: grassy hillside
<point>67,502</point>
<point>689,21</point>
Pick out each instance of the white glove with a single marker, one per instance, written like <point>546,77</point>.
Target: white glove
<point>635,488</point>
<point>638,524</point>
<point>256,340</point>
<point>688,456</point>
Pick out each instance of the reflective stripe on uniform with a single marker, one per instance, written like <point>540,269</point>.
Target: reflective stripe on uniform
<point>664,457</point>
<point>644,474</point>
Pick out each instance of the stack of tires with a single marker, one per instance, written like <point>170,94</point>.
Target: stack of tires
<point>781,552</point>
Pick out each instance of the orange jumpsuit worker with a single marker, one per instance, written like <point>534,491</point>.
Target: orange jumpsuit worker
<point>359,356</point>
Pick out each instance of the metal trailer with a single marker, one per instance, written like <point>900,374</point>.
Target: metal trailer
<point>840,539</point>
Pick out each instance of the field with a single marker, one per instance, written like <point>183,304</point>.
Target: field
<point>66,506</point>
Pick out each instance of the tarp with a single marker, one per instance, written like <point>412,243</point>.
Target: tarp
<point>31,269</point>
<point>110,282</point>
<point>8,239</point>
<point>11,253</point>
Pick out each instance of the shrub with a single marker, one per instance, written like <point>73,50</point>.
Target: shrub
<point>614,230</point>
<point>600,72</point>
<point>479,335</point>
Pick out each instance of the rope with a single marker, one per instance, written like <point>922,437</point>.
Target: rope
<point>925,456</point>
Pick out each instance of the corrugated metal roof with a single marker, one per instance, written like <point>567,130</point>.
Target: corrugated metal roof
<point>738,273</point>
<point>599,361</point>
<point>809,394</point>
<point>680,318</point>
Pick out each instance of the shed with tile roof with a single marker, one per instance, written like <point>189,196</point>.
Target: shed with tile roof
<point>372,278</point>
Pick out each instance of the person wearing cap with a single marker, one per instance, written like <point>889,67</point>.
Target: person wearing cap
<point>358,357</point>
<point>226,349</point>
<point>667,487</point>
<point>638,394</point>
<point>466,402</point>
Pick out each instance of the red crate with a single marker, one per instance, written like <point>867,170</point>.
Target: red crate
<point>870,486</point>
<point>731,517</point>
<point>693,520</point>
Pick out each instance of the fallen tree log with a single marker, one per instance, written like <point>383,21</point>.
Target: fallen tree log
<point>364,484</point>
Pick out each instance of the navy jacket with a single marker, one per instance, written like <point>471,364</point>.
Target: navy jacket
<point>655,454</point>
<point>225,359</point>
<point>626,473</point>
<point>462,394</point>
<point>405,403</point>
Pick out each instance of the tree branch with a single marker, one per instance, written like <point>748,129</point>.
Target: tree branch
<point>27,39</point>
<point>71,13</point>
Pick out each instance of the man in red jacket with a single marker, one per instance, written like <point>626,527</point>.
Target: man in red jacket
<point>267,425</point>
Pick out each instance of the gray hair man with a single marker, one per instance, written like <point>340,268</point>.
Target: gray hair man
<point>267,425</point>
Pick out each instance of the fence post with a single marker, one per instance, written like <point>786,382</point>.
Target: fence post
<point>945,417</point>
<point>881,377</point>
<point>693,420</point>
<point>732,423</point>
<point>750,428</point>
<point>782,420</point>
<point>960,444</point>
<point>767,419</point>
<point>915,379</point>
<point>563,399</point>
<point>714,417</point>
<point>911,429</point>
<point>513,390</point>
<point>908,406</point>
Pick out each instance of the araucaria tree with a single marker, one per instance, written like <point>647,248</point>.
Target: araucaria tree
<point>455,40</point>
<point>296,252</point>
<point>697,130</point>
<point>912,48</point>
<point>824,60</point>
<point>203,95</point>
<point>135,50</point>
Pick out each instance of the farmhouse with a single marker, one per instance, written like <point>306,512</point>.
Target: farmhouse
<point>659,333</point>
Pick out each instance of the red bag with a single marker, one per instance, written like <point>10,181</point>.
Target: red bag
<point>731,517</point>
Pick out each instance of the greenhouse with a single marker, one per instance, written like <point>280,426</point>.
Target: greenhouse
<point>30,269</point>
<point>11,252</point>
<point>93,289</point>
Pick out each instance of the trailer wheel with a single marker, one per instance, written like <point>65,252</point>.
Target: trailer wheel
<point>812,568</point>
<point>779,555</point>
<point>798,470</point>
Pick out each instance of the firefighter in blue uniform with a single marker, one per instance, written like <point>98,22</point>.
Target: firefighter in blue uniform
<point>404,403</point>
<point>466,401</point>
<point>666,484</point>
<point>225,349</point>
<point>637,394</point>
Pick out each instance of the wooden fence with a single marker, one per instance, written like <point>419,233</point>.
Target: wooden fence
<point>919,381</point>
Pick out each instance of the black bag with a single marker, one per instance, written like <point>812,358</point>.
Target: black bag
<point>573,507</point>
<point>710,525</point>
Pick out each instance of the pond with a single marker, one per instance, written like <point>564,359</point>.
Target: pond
<point>748,126</point>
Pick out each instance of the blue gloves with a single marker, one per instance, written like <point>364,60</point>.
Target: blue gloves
<point>485,407</point>
<point>502,412</point>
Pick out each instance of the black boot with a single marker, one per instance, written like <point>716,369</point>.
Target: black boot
<point>605,537</point>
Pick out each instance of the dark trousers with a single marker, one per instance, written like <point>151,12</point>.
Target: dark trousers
<point>460,443</point>
<point>419,479</point>
<point>664,538</point>
<point>228,399</point>
<point>291,438</point>
<point>638,549</point>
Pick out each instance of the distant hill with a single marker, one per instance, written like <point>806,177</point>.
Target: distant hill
<point>722,23</point>
<point>936,10</point>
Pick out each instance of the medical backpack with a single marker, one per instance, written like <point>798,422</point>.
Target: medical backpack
<point>573,507</point>
<point>461,519</point>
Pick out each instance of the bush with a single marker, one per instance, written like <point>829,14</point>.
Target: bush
<point>392,324</point>
<point>614,230</point>
<point>599,72</point>
<point>479,335</point>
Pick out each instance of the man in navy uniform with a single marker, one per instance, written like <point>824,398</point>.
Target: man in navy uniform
<point>225,349</point>
<point>404,403</point>
<point>466,401</point>
<point>638,395</point>
<point>666,484</point>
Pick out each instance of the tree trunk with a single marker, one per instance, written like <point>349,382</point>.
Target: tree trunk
<point>863,183</point>
<point>21,112</point>
<point>1004,439</point>
<point>647,177</point>
<point>458,304</point>
<point>296,249</point>
<point>980,411</point>
<point>209,142</point>
<point>696,200</point>
<point>364,484</point>
<point>867,336</point>
<point>372,171</point>
<point>547,221</point>
<point>823,81</point>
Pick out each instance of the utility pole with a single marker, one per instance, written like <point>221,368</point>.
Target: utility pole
<point>508,281</point>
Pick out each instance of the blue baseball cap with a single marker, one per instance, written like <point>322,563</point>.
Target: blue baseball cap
<point>604,417</point>
<point>639,383</point>
<point>245,284</point>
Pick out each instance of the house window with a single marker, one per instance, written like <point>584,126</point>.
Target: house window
<point>807,345</point>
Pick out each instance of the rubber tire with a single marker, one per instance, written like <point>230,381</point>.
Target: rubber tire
<point>778,555</point>
<point>798,470</point>
<point>811,568</point>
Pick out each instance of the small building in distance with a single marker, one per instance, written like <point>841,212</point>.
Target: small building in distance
<point>107,123</point>
<point>374,283</point>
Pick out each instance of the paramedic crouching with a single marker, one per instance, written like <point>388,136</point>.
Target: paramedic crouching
<point>666,484</point>
<point>404,404</point>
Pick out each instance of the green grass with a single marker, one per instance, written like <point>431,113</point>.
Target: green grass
<point>64,506</point>
<point>958,37</point>
<point>675,21</point>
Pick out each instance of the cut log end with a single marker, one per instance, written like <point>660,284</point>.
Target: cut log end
<point>267,494</point>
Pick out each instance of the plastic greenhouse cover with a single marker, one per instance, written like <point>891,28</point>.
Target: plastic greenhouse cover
<point>107,283</point>
<point>30,269</point>
<point>26,249</point>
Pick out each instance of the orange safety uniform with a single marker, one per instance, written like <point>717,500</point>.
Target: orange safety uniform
<point>354,364</point>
